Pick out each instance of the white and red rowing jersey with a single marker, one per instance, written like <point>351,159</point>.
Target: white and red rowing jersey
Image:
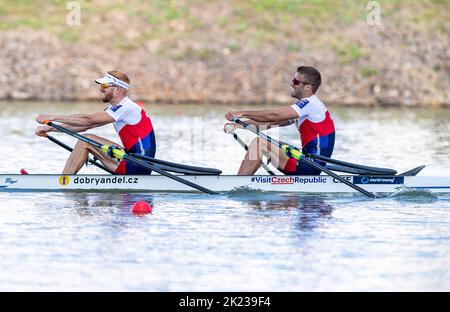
<point>133,126</point>
<point>313,121</point>
<point>317,134</point>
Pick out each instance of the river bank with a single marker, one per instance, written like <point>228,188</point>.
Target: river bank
<point>217,52</point>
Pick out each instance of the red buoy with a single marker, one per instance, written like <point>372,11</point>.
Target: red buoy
<point>141,207</point>
<point>23,171</point>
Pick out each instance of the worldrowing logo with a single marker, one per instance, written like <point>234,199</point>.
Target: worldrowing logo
<point>378,180</point>
<point>64,180</point>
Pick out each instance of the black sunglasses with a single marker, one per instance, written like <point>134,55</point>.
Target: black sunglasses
<point>296,82</point>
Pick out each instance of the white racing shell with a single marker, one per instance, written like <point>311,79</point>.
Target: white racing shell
<point>222,183</point>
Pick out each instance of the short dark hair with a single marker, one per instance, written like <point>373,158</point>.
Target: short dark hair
<point>312,76</point>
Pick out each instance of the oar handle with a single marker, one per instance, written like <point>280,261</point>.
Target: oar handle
<point>246,125</point>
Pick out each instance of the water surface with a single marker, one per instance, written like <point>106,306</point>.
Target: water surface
<point>229,242</point>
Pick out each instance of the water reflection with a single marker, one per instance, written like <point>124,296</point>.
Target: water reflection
<point>104,206</point>
<point>313,211</point>
<point>310,211</point>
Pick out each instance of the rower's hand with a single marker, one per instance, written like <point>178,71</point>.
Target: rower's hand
<point>42,117</point>
<point>229,127</point>
<point>42,131</point>
<point>229,116</point>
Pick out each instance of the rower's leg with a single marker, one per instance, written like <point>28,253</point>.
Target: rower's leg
<point>81,151</point>
<point>256,150</point>
<point>277,157</point>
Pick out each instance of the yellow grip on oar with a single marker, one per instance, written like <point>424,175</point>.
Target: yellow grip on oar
<point>113,151</point>
<point>293,152</point>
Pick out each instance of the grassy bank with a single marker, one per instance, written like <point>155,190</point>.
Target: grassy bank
<point>199,28</point>
<point>229,51</point>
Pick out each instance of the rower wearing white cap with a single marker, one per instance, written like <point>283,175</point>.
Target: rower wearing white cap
<point>130,121</point>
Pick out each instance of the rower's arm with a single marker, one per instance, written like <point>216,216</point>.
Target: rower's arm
<point>267,116</point>
<point>71,128</point>
<point>79,122</point>
<point>265,126</point>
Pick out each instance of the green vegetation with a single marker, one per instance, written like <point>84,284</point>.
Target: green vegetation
<point>70,35</point>
<point>346,52</point>
<point>233,46</point>
<point>165,11</point>
<point>192,53</point>
<point>369,71</point>
<point>424,17</point>
<point>256,22</point>
<point>293,47</point>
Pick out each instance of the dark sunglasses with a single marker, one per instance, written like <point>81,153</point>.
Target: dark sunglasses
<point>105,85</point>
<point>296,82</point>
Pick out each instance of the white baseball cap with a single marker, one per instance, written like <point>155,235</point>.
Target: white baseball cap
<point>111,79</point>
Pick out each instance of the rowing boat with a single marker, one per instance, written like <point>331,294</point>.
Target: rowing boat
<point>221,183</point>
<point>367,180</point>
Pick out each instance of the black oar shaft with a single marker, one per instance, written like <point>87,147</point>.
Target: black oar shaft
<point>95,163</point>
<point>309,162</point>
<point>164,173</point>
<point>179,170</point>
<point>386,171</point>
<point>74,134</point>
<point>242,143</point>
<point>345,169</point>
<point>92,161</point>
<point>145,157</point>
<point>334,175</point>
<point>349,169</point>
<point>175,165</point>
<point>377,170</point>
<point>130,158</point>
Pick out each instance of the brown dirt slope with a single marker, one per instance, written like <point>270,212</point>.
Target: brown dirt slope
<point>228,51</point>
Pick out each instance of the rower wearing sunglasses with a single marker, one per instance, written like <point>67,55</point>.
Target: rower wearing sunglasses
<point>129,119</point>
<point>310,117</point>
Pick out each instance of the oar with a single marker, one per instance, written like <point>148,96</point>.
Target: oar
<point>295,153</point>
<point>211,171</point>
<point>99,165</point>
<point>242,143</point>
<point>179,170</point>
<point>116,152</point>
<point>331,167</point>
<point>92,161</point>
<point>376,170</point>
<point>351,170</point>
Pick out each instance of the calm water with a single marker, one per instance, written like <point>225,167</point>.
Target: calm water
<point>229,242</point>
